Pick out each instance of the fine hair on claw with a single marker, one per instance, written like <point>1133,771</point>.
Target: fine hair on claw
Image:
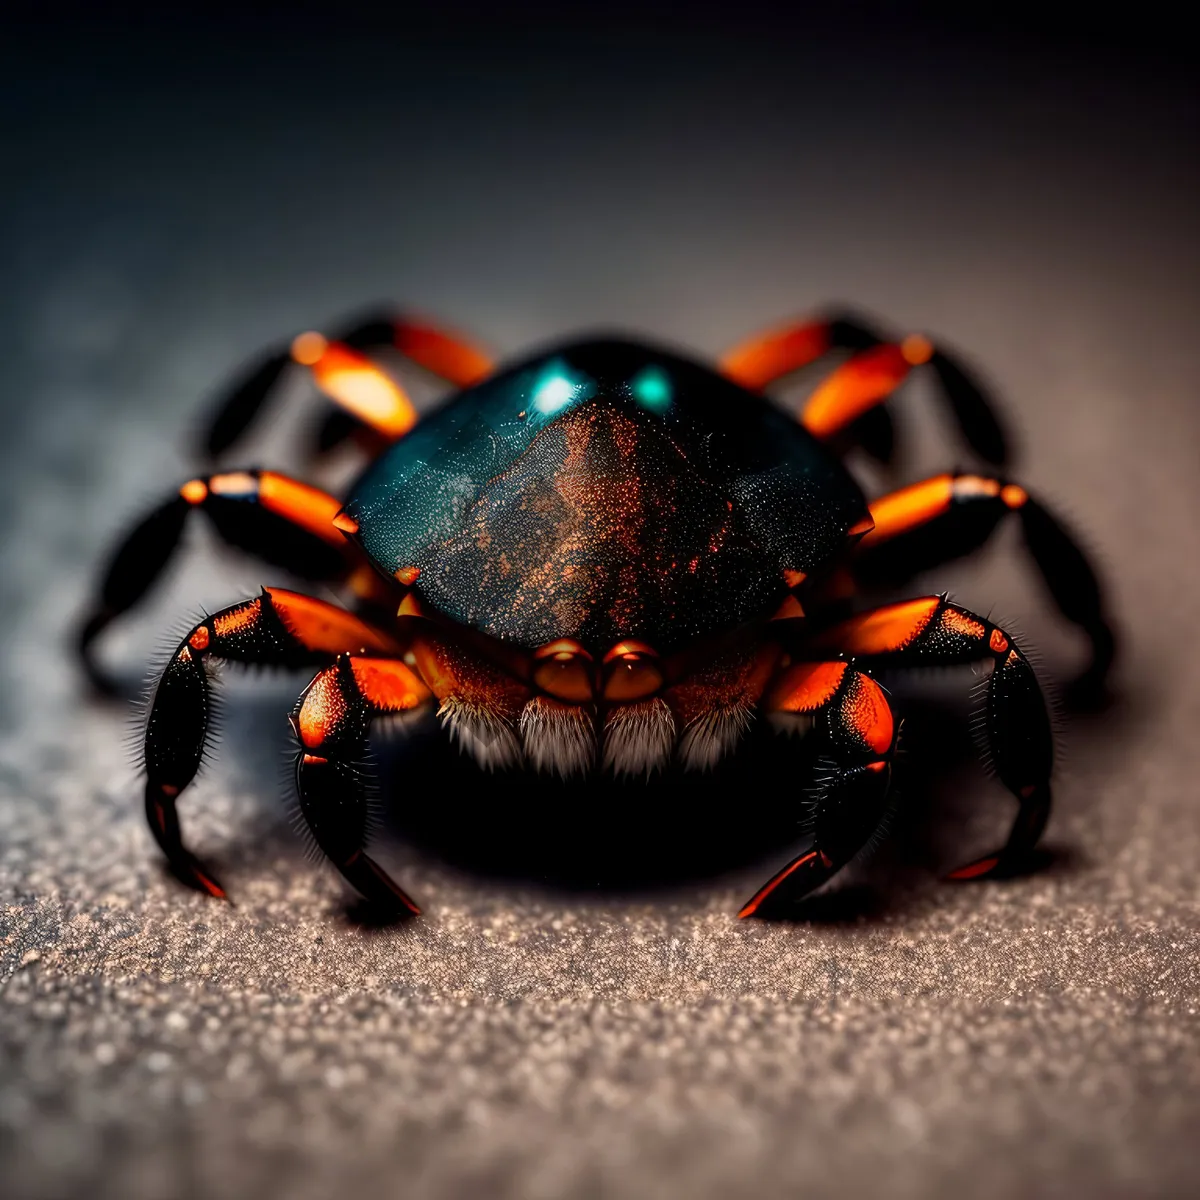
<point>482,733</point>
<point>638,738</point>
<point>712,735</point>
<point>559,738</point>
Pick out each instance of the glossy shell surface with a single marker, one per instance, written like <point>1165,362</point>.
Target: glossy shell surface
<point>604,489</point>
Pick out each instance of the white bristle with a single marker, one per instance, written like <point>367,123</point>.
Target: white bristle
<point>712,735</point>
<point>558,738</point>
<point>638,738</point>
<point>481,732</point>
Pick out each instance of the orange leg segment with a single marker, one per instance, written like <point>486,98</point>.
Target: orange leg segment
<point>934,632</point>
<point>774,353</point>
<point>446,353</point>
<point>849,711</point>
<point>860,383</point>
<point>947,516</point>
<point>452,356</point>
<point>331,722</point>
<point>357,384</point>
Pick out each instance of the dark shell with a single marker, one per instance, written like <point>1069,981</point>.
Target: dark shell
<point>605,490</point>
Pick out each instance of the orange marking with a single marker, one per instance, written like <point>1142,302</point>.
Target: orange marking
<point>437,665</point>
<point>909,507</point>
<point>857,385</point>
<point>195,491</point>
<point>346,523</point>
<point>446,354</point>
<point>755,902</point>
<point>883,630</point>
<point>957,621</point>
<point>777,352</point>
<point>975,485</point>
<point>233,483</point>
<point>975,869</point>
<point>308,507</point>
<point>861,527</point>
<point>917,349</point>
<point>630,646</point>
<point>1014,496</point>
<point>362,388</point>
<point>410,606</point>
<point>323,709</point>
<point>806,687</point>
<point>790,609</point>
<point>210,885</point>
<point>168,789</point>
<point>389,685</point>
<point>998,642</point>
<point>308,348</point>
<point>237,620</point>
<point>199,638</point>
<point>867,709</point>
<point>794,578</point>
<point>450,670</point>
<point>876,766</point>
<point>311,759</point>
<point>568,647</point>
<point>321,626</point>
<point>407,575</point>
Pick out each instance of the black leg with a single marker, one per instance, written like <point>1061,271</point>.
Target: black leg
<point>282,522</point>
<point>331,723</point>
<point>932,632</point>
<point>849,712</point>
<point>943,518</point>
<point>237,407</point>
<point>278,628</point>
<point>874,432</point>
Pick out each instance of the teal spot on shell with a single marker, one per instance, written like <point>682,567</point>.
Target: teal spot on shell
<point>558,387</point>
<point>651,388</point>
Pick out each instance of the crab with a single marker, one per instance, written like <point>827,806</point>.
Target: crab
<point>607,557</point>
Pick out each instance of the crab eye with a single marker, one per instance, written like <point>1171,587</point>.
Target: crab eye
<point>631,672</point>
<point>651,388</point>
<point>564,669</point>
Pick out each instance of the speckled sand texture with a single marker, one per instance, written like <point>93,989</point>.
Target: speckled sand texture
<point>1038,1037</point>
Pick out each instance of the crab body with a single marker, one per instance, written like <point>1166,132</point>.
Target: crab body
<point>606,557</point>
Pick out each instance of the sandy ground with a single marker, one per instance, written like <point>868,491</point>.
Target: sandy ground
<point>592,1029</point>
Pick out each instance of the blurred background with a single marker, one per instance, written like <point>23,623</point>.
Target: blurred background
<point>181,190</point>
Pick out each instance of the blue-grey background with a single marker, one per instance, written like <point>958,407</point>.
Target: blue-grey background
<point>177,194</point>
